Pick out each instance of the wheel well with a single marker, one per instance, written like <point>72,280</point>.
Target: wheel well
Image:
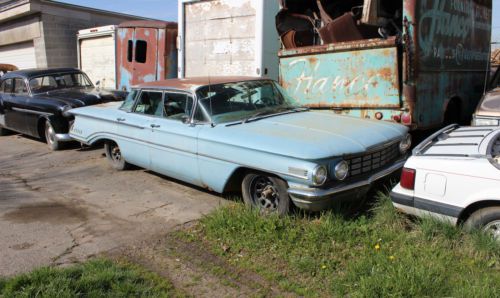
<point>41,127</point>
<point>101,142</point>
<point>467,212</point>
<point>234,182</point>
<point>453,112</point>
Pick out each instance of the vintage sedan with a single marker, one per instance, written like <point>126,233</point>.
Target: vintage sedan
<point>37,102</point>
<point>242,134</point>
<point>454,175</point>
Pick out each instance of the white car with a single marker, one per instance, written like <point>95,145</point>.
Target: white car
<point>455,175</point>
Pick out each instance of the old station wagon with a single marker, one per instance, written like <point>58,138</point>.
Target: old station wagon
<point>243,134</point>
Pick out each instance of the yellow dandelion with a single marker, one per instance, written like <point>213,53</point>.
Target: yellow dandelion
<point>323,267</point>
<point>377,246</point>
<point>392,258</point>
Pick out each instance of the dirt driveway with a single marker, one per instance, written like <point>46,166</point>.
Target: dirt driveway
<point>63,207</point>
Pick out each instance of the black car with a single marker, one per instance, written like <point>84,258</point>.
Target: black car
<point>37,102</point>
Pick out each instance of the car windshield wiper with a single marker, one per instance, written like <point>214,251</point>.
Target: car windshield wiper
<point>278,111</point>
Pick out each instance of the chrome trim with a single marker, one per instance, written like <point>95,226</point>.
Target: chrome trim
<point>97,134</point>
<point>64,137</point>
<point>32,112</point>
<point>309,195</point>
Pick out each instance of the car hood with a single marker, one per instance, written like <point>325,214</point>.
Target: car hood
<point>80,97</point>
<point>490,104</point>
<point>309,135</point>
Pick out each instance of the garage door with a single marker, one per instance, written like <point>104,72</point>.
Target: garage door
<point>98,60</point>
<point>21,55</point>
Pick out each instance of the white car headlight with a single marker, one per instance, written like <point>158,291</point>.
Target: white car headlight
<point>320,175</point>
<point>405,144</point>
<point>342,170</point>
<point>485,122</point>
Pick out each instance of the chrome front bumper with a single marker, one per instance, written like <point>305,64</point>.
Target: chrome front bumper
<point>317,199</point>
<point>64,137</point>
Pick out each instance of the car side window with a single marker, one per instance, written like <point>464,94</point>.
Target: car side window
<point>178,106</point>
<point>150,103</point>
<point>128,103</point>
<point>7,86</point>
<point>20,87</point>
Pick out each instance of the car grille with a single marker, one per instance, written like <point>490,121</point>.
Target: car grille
<point>370,162</point>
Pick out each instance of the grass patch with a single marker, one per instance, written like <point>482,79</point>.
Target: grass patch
<point>96,278</point>
<point>379,254</point>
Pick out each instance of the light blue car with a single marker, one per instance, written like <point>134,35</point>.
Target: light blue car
<point>240,134</point>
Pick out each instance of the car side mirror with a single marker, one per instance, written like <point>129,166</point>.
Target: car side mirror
<point>98,83</point>
<point>185,119</point>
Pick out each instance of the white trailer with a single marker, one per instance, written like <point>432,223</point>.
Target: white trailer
<point>228,37</point>
<point>97,55</point>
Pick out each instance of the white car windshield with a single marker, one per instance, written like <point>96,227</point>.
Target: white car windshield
<point>53,82</point>
<point>243,101</point>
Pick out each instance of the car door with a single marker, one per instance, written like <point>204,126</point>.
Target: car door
<point>174,139</point>
<point>16,106</point>
<point>135,128</point>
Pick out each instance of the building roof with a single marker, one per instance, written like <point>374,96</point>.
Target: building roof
<point>149,24</point>
<point>190,84</point>
<point>36,72</point>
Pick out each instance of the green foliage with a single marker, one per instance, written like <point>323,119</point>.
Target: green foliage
<point>97,278</point>
<point>380,254</point>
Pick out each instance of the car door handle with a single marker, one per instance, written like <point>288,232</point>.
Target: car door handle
<point>120,119</point>
<point>155,126</point>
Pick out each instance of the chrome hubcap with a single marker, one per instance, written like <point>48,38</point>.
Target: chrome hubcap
<point>116,154</point>
<point>49,133</point>
<point>264,194</point>
<point>493,228</point>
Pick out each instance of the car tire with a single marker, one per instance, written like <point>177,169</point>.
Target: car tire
<point>50,137</point>
<point>487,220</point>
<point>266,193</point>
<point>114,156</point>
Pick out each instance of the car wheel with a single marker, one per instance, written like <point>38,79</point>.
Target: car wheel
<point>3,131</point>
<point>114,156</point>
<point>50,137</point>
<point>266,193</point>
<point>487,220</point>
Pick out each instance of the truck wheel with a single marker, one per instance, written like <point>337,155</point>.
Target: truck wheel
<point>114,156</point>
<point>487,220</point>
<point>50,137</point>
<point>266,193</point>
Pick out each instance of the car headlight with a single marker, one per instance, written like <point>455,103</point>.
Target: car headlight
<point>485,122</point>
<point>320,175</point>
<point>405,144</point>
<point>65,111</point>
<point>341,170</point>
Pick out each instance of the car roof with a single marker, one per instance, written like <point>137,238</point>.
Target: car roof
<point>36,72</point>
<point>191,84</point>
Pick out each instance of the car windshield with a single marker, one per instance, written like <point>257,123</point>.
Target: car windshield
<point>243,101</point>
<point>53,82</point>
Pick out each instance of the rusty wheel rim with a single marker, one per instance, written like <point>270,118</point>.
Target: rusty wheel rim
<point>264,194</point>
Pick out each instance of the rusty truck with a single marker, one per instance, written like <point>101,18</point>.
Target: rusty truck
<point>421,63</point>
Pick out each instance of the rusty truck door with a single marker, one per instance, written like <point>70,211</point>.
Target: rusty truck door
<point>145,55</point>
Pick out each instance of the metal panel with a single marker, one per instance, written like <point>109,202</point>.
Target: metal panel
<point>346,79</point>
<point>220,38</point>
<point>125,68</point>
<point>146,71</point>
<point>97,59</point>
<point>21,55</point>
